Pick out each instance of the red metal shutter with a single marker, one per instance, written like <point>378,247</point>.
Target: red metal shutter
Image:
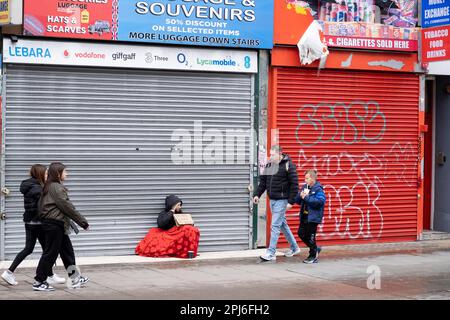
<point>359,130</point>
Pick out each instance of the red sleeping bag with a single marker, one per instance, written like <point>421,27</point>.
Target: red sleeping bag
<point>175,242</point>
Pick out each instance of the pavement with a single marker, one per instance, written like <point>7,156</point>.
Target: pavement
<point>393,271</point>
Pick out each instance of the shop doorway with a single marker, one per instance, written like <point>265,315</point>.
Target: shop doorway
<point>430,107</point>
<point>441,212</point>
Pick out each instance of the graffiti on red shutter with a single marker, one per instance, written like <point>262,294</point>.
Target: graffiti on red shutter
<point>352,209</point>
<point>346,123</point>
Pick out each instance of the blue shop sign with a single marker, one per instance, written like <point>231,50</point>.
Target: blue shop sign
<point>435,13</point>
<point>220,23</point>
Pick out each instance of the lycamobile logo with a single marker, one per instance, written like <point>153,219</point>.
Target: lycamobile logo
<point>223,62</point>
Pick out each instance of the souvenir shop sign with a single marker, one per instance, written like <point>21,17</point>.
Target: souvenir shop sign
<point>229,23</point>
<point>435,13</point>
<point>221,23</point>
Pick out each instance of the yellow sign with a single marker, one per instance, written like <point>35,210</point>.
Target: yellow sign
<point>84,16</point>
<point>5,17</point>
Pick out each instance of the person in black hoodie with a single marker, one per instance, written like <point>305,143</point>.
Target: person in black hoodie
<point>31,189</point>
<point>280,179</point>
<point>165,219</point>
<point>170,240</point>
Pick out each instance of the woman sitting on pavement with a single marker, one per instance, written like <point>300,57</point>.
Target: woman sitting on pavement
<point>169,240</point>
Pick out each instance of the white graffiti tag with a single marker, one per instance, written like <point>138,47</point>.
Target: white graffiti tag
<point>367,167</point>
<point>341,123</point>
<point>352,212</point>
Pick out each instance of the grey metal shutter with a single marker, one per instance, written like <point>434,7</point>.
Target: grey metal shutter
<point>112,128</point>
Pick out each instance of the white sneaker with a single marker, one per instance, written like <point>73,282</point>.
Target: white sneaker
<point>42,286</point>
<point>84,280</point>
<point>55,279</point>
<point>291,253</point>
<point>75,282</point>
<point>268,257</point>
<point>8,276</point>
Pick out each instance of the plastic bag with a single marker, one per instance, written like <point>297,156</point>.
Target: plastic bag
<point>312,45</point>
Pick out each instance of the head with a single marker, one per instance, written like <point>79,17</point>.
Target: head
<point>173,203</point>
<point>38,171</point>
<point>177,207</point>
<point>276,153</point>
<point>56,173</point>
<point>311,177</point>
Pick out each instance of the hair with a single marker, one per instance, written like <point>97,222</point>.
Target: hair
<point>55,171</point>
<point>37,171</point>
<point>312,173</point>
<point>277,148</point>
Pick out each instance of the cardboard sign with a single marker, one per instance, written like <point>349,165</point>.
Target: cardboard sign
<point>182,219</point>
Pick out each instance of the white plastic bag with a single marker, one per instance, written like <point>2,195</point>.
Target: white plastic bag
<point>311,45</point>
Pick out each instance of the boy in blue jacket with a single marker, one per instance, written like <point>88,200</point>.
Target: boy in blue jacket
<point>312,202</point>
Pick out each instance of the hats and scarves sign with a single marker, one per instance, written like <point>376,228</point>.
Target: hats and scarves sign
<point>436,30</point>
<point>220,23</point>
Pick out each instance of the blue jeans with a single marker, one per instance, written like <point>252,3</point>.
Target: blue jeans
<point>279,223</point>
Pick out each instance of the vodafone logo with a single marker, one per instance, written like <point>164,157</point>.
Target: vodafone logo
<point>84,55</point>
<point>90,55</point>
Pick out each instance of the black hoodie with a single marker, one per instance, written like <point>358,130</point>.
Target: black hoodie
<point>165,219</point>
<point>31,190</point>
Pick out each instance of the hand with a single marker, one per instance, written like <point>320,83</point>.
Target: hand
<point>256,200</point>
<point>303,195</point>
<point>289,207</point>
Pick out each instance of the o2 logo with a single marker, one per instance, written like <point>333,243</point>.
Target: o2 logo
<point>181,57</point>
<point>248,62</point>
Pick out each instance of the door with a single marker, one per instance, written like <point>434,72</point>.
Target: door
<point>428,153</point>
<point>441,220</point>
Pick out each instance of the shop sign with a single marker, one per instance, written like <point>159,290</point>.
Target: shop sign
<point>79,19</point>
<point>356,24</point>
<point>374,44</point>
<point>435,13</point>
<point>222,23</point>
<point>126,56</point>
<point>5,17</point>
<point>435,44</point>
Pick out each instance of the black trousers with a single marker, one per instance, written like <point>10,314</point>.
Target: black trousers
<point>67,255</point>
<point>56,243</point>
<point>33,232</point>
<point>53,240</point>
<point>307,232</point>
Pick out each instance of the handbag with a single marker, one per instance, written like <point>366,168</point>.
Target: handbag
<point>182,219</point>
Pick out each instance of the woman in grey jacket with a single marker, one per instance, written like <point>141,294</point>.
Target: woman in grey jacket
<point>56,212</point>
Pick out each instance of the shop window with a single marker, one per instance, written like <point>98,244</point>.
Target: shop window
<point>383,19</point>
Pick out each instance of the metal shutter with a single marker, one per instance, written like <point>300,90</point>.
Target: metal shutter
<point>360,131</point>
<point>112,128</point>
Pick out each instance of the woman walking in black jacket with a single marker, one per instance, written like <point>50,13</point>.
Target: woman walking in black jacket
<point>56,212</point>
<point>31,189</point>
